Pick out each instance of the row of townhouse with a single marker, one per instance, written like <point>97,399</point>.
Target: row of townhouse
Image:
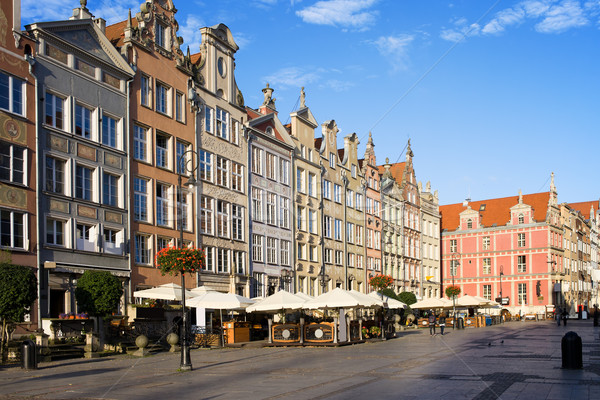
<point>527,251</point>
<point>117,144</point>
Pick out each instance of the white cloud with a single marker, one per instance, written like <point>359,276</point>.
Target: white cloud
<point>59,10</point>
<point>549,16</point>
<point>460,31</point>
<point>190,32</point>
<point>336,85</point>
<point>395,49</point>
<point>343,13</point>
<point>292,77</point>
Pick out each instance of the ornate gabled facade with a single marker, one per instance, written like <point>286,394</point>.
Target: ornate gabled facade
<point>508,247</point>
<point>307,203</point>
<point>162,112</point>
<point>430,238</point>
<point>18,177</point>
<point>369,232</point>
<point>83,155</point>
<point>402,228</point>
<point>270,228</point>
<point>590,210</point>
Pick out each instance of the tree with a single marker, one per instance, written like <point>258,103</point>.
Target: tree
<point>98,293</point>
<point>18,291</point>
<point>389,293</point>
<point>408,298</point>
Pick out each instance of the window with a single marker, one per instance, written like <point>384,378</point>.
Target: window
<point>55,175</point>
<point>271,250</point>
<point>284,175</point>
<point>453,245</point>
<point>359,201</point>
<point>110,190</point>
<point>284,212</point>
<point>162,98</point>
<point>140,143</point>
<point>237,177</point>
<point>12,233</point>
<point>521,219</point>
<point>284,257</point>
<point>140,202</point>
<point>300,184</point>
<point>312,184</point>
<point>222,261</point>
<point>338,229</point>
<point>109,131</point>
<point>303,151</point>
<point>487,266</point>
<point>179,106</point>
<point>313,256</point>
<point>486,243</point>
<point>370,238</point>
<point>301,251</point>
<point>300,218</point>
<point>222,176</point>
<point>11,163</point>
<point>521,240</point>
<point>83,234</point>
<point>469,224</point>
<point>331,160</point>
<point>522,287</point>
<point>359,235</point>
<point>113,241</point>
<point>349,232</point>
<point>183,162</point>
<point>369,208</point>
<point>350,199</point>
<point>521,263</point>
<point>222,218</point>
<point>237,222</point>
<point>83,182</point>
<point>353,170</point>
<point>205,165</point>
<point>11,94</point>
<point>487,292</point>
<point>377,241</point>
<point>271,208</point>
<point>235,132</point>
<point>257,248</point>
<point>222,118</point>
<point>83,126</point>
<point>55,232</point>
<point>159,35</point>
<point>337,193</point>
<point>257,155</point>
<point>257,204</point>
<point>271,166</point>
<point>359,261</point>
<point>239,262</point>
<point>327,189</point>
<point>453,267</point>
<point>376,205</point>
<point>339,255</point>
<point>162,204</point>
<point>209,264</point>
<point>208,119</point>
<point>206,215</point>
<point>183,209</point>
<point>327,227</point>
<point>54,111</point>
<point>328,256</point>
<point>312,221</point>
<point>162,151</point>
<point>145,94</point>
<point>377,263</point>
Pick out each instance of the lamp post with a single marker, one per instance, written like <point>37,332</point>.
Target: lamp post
<point>286,278</point>
<point>324,278</point>
<point>184,166</point>
<point>453,267</point>
<point>501,274</point>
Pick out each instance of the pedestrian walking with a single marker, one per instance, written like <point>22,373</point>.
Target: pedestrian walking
<point>431,320</point>
<point>442,322</point>
<point>564,316</point>
<point>557,316</point>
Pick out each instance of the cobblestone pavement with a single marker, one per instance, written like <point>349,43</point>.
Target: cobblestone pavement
<point>517,360</point>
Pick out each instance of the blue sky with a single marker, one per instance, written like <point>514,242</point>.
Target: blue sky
<point>494,95</point>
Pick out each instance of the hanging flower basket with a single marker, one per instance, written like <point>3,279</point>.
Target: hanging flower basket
<point>380,282</point>
<point>452,291</point>
<point>174,261</point>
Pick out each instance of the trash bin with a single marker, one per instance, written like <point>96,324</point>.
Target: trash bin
<point>460,323</point>
<point>571,351</point>
<point>488,320</point>
<point>28,355</point>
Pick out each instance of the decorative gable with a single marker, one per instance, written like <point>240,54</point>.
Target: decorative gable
<point>521,213</point>
<point>469,219</point>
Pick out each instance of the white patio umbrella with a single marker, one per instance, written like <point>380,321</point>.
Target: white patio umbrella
<point>197,291</point>
<point>168,291</point>
<point>470,301</point>
<point>432,303</point>
<point>340,298</point>
<point>388,301</point>
<point>220,301</point>
<point>281,300</point>
<point>304,296</point>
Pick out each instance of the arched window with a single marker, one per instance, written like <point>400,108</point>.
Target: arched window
<point>469,224</point>
<point>521,219</point>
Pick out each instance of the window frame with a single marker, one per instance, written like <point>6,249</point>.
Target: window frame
<point>11,95</point>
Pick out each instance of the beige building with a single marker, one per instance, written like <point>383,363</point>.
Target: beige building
<point>430,235</point>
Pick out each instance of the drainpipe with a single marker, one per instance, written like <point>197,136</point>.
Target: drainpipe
<point>128,190</point>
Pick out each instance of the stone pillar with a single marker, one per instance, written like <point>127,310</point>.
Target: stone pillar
<point>301,330</point>
<point>270,326</point>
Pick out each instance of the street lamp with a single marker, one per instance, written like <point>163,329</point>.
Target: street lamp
<point>324,279</point>
<point>453,267</point>
<point>286,278</point>
<point>184,166</point>
<point>501,274</point>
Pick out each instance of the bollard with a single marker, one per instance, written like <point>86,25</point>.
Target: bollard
<point>571,351</point>
<point>460,323</point>
<point>28,355</point>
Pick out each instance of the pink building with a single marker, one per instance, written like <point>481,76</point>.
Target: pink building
<point>510,246</point>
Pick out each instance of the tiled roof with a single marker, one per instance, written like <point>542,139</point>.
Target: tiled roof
<point>584,207</point>
<point>115,34</point>
<point>195,58</point>
<point>397,171</point>
<point>318,142</point>
<point>341,154</point>
<point>497,211</point>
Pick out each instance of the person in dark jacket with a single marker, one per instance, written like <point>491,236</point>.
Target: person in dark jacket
<point>431,320</point>
<point>442,322</point>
